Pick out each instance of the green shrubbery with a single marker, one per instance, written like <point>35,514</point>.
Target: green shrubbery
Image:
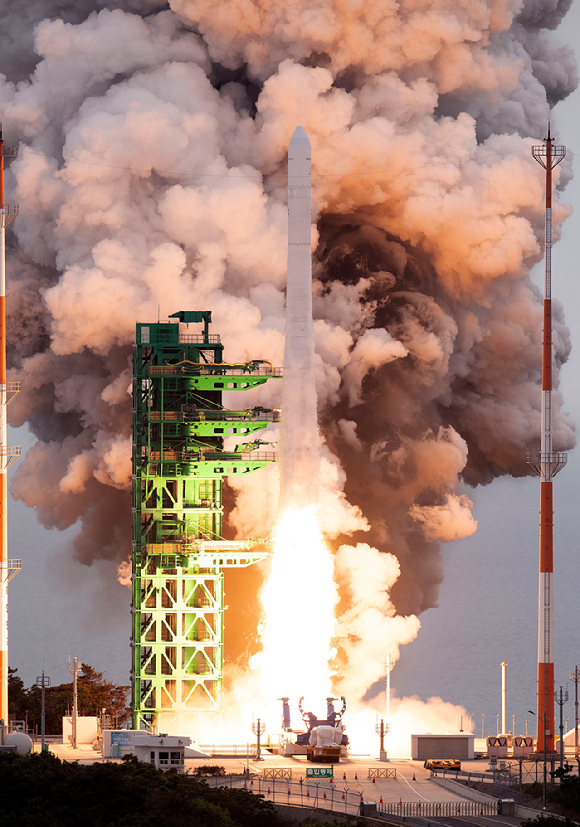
<point>40,789</point>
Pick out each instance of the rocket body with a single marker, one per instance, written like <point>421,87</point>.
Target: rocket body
<point>299,433</point>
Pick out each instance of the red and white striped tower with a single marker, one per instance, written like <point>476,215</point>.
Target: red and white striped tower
<point>547,466</point>
<point>8,455</point>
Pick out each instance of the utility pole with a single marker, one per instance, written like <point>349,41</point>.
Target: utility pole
<point>575,678</point>
<point>74,670</point>
<point>43,681</point>
<point>503,698</point>
<point>561,700</point>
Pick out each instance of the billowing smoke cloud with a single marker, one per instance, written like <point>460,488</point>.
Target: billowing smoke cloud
<point>152,178</point>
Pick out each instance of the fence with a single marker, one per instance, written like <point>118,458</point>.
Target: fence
<point>313,794</point>
<point>225,750</point>
<point>344,798</point>
<point>382,772</point>
<point>277,772</point>
<point>433,809</point>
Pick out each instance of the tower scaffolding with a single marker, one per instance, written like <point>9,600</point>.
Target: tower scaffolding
<point>179,556</point>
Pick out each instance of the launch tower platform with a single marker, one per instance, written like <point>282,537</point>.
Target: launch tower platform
<point>179,555</point>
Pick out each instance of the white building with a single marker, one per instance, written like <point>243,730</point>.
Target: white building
<point>458,745</point>
<point>165,751</point>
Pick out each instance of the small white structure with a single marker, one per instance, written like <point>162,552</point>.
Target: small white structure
<point>458,745</point>
<point>19,742</point>
<point>86,729</point>
<point>165,751</point>
<point>568,739</point>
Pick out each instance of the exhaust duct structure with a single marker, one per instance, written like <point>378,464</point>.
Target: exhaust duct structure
<point>153,168</point>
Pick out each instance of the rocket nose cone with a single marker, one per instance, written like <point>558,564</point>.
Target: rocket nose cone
<point>299,138</point>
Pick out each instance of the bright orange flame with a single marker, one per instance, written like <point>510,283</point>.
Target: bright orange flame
<point>299,600</point>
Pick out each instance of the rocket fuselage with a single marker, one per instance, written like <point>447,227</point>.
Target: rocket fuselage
<point>299,433</point>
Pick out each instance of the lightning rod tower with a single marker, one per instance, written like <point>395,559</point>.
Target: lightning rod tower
<point>8,455</point>
<point>546,465</point>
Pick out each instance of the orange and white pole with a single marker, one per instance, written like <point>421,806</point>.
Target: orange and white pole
<point>3,480</point>
<point>8,567</point>
<point>548,466</point>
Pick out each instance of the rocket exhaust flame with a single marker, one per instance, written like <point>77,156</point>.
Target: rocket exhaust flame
<point>299,599</point>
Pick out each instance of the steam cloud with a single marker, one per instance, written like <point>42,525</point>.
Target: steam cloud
<point>152,178</point>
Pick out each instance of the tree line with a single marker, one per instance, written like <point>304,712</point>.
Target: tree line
<point>94,694</point>
<point>41,789</point>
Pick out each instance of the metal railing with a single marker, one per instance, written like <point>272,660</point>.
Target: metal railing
<point>199,339</point>
<point>213,416</point>
<point>339,796</point>
<point>438,809</point>
<point>206,456</point>
<point>248,750</point>
<point>212,370</point>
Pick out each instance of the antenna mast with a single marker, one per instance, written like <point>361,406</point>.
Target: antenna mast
<point>547,466</point>
<point>8,455</point>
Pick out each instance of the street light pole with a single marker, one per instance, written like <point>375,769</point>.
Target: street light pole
<point>43,681</point>
<point>258,730</point>
<point>561,700</point>
<point>537,714</point>
<point>575,678</point>
<point>74,670</point>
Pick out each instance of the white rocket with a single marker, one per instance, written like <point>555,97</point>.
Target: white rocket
<point>299,435</point>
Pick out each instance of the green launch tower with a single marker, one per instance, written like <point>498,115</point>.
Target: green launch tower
<point>179,555</point>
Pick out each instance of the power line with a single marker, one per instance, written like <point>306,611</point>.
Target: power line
<point>381,171</point>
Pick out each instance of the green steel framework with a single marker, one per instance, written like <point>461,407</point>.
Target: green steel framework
<point>179,425</point>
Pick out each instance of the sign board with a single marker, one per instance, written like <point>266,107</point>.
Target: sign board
<point>124,737</point>
<point>319,772</point>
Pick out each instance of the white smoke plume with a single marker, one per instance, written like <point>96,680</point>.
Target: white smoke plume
<point>152,178</point>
